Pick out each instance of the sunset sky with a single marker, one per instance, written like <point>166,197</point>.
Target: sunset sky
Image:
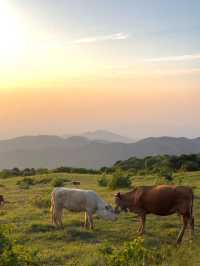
<point>69,66</point>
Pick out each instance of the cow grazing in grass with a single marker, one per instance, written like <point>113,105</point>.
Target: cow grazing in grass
<point>161,200</point>
<point>79,200</point>
<point>2,201</point>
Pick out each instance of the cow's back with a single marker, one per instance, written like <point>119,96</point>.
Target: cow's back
<point>163,199</point>
<point>75,199</point>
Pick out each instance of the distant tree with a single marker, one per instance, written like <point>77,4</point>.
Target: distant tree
<point>119,180</point>
<point>190,166</point>
<point>15,171</point>
<point>103,181</point>
<point>105,169</point>
<point>5,173</point>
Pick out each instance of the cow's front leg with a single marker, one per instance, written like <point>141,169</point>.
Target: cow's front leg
<point>90,219</point>
<point>86,223</point>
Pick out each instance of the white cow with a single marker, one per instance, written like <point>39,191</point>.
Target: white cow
<point>79,200</point>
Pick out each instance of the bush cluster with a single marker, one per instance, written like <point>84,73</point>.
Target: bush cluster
<point>119,179</point>
<point>12,254</point>
<point>25,183</point>
<point>132,253</point>
<point>59,181</point>
<point>41,202</point>
<point>103,181</point>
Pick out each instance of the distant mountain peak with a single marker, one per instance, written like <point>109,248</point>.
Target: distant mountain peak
<point>106,135</point>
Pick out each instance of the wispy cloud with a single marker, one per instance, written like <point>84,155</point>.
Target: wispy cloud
<point>185,57</point>
<point>101,38</point>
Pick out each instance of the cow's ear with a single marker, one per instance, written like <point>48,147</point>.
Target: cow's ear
<point>118,195</point>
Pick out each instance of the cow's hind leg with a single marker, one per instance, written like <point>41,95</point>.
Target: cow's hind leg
<point>191,225</point>
<point>141,229</point>
<point>54,217</point>
<point>60,218</point>
<point>185,223</point>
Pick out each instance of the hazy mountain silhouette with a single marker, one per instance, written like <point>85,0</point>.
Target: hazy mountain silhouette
<point>105,135</point>
<point>78,151</point>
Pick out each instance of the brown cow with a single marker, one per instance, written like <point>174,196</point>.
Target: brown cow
<point>160,200</point>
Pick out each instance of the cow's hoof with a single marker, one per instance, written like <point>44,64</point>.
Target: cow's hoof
<point>140,233</point>
<point>178,243</point>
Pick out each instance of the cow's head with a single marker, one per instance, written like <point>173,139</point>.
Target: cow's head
<point>120,204</point>
<point>107,212</point>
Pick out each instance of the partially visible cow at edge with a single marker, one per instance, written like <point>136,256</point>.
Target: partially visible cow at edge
<point>161,200</point>
<point>79,200</point>
<point>2,201</point>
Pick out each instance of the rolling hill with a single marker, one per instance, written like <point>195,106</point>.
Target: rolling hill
<point>79,151</point>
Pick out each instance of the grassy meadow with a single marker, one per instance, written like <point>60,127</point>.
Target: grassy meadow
<point>27,212</point>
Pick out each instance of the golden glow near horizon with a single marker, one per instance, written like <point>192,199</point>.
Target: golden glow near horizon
<point>91,77</point>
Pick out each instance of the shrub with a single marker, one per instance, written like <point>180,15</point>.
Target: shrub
<point>13,254</point>
<point>25,183</point>
<point>6,173</point>
<point>43,180</point>
<point>133,253</point>
<point>119,180</point>
<point>103,181</point>
<point>179,180</point>
<point>41,202</point>
<point>165,171</point>
<point>58,182</point>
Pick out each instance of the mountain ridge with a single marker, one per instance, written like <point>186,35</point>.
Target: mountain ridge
<point>78,151</point>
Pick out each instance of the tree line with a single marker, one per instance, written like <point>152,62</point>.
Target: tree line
<point>159,164</point>
<point>5,173</point>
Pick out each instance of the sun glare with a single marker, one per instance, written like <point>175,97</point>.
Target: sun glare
<point>12,35</point>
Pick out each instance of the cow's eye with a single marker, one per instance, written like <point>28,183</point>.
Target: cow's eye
<point>107,207</point>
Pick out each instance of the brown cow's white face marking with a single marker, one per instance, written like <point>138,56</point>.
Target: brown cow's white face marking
<point>119,204</point>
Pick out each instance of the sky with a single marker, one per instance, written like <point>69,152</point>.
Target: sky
<point>132,67</point>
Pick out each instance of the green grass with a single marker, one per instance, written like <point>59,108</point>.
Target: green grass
<point>28,213</point>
